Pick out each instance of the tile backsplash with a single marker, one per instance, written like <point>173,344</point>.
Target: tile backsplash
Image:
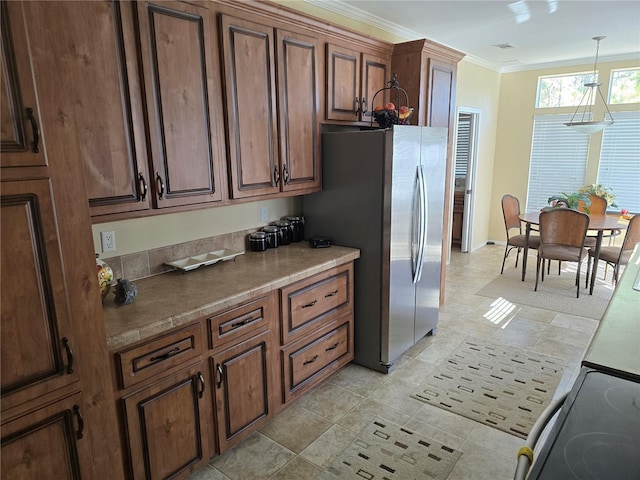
<point>152,262</point>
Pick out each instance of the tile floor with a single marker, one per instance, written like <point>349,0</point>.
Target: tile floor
<point>305,438</point>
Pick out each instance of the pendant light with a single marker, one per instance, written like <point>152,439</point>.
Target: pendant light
<point>581,122</point>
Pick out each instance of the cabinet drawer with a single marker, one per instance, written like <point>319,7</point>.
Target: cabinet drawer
<point>234,324</point>
<point>313,358</point>
<point>309,303</point>
<point>158,355</point>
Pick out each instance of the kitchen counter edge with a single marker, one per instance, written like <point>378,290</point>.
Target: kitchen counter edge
<point>177,298</point>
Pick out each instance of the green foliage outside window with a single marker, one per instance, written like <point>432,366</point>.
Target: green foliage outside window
<point>562,90</point>
<point>625,86</point>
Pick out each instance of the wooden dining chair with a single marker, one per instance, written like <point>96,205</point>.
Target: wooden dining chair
<point>562,236</point>
<point>617,256</point>
<point>598,206</point>
<point>513,226</point>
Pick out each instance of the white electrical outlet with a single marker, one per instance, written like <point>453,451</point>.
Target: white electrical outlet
<point>108,241</point>
<point>264,214</point>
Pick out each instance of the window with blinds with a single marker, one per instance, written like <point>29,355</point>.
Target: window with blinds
<point>619,167</point>
<point>558,160</point>
<point>463,145</point>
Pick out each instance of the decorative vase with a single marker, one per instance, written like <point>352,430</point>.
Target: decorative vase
<point>105,277</point>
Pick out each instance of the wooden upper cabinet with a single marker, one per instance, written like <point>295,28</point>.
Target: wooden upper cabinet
<point>343,83</point>
<point>249,73</point>
<point>34,306</point>
<point>353,78</point>
<point>95,50</point>
<point>20,125</point>
<point>99,48</point>
<point>298,108</point>
<point>441,89</point>
<point>183,101</point>
<point>375,75</point>
<point>427,71</point>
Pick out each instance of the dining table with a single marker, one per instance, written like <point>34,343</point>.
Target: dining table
<point>598,223</point>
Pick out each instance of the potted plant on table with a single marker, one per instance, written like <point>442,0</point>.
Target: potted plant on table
<point>569,200</point>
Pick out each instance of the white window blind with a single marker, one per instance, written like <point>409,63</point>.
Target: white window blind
<point>619,167</point>
<point>463,145</point>
<point>558,160</point>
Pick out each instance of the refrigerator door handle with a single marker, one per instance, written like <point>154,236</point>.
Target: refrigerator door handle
<point>422,189</point>
<point>415,229</point>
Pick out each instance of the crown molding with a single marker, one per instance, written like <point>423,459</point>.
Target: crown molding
<point>340,8</point>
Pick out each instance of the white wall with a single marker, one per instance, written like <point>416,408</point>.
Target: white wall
<point>478,88</point>
<point>146,233</point>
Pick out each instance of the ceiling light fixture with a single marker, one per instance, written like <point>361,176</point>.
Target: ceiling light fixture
<point>584,123</point>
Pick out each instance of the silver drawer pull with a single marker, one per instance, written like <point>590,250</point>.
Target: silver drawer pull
<point>310,304</point>
<point>332,347</point>
<point>332,294</point>
<point>307,362</point>
<point>170,353</point>
<point>243,322</point>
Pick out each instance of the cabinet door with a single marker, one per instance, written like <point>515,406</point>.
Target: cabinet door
<point>242,387</point>
<point>34,306</point>
<point>441,94</point>
<point>298,108</point>
<point>47,444</point>
<point>183,90</point>
<point>20,126</point>
<point>249,73</point>
<point>375,74</point>
<point>98,45</point>
<point>343,83</point>
<point>167,426</point>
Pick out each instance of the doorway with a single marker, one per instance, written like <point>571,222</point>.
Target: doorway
<point>464,178</point>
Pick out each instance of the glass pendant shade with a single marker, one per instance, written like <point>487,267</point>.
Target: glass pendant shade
<point>581,122</point>
<point>588,127</point>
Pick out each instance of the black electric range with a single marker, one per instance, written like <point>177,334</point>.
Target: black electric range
<point>597,433</point>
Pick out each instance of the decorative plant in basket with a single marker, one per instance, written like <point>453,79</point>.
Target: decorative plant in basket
<point>601,191</point>
<point>387,115</point>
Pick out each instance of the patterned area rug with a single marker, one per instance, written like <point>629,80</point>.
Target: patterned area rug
<point>386,451</point>
<point>501,386</point>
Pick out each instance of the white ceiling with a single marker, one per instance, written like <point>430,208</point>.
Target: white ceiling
<point>557,32</point>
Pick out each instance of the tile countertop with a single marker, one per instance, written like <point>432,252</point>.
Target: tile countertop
<point>616,344</point>
<point>176,298</point>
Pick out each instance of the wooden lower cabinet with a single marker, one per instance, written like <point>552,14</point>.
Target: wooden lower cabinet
<point>167,423</point>
<point>316,329</point>
<point>315,357</point>
<point>244,388</point>
<point>198,390</point>
<point>47,444</point>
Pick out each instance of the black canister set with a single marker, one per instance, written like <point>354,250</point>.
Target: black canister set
<point>280,232</point>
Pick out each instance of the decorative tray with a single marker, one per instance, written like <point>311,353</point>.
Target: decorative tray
<point>209,258</point>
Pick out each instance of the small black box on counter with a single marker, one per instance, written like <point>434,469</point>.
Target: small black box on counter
<point>320,242</point>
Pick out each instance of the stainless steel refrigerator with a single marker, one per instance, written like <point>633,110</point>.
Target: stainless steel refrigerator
<point>383,192</point>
